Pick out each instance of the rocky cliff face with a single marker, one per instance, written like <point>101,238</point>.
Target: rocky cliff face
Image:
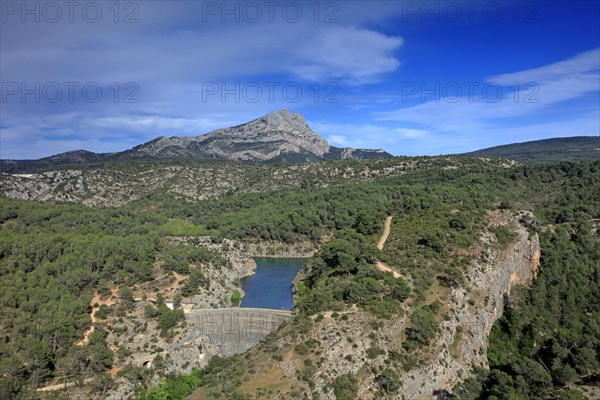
<point>475,307</point>
<point>266,138</point>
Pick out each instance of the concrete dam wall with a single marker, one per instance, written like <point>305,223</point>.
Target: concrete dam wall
<point>235,330</point>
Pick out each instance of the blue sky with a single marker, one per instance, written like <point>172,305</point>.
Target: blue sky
<point>412,77</point>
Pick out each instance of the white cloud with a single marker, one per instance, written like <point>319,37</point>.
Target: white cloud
<point>411,133</point>
<point>357,56</point>
<point>368,136</point>
<point>338,140</point>
<point>562,81</point>
<point>581,63</point>
<point>180,53</point>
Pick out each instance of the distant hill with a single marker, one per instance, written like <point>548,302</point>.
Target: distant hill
<point>68,158</point>
<point>277,137</point>
<point>547,150</point>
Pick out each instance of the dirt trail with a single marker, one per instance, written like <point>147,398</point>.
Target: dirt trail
<point>387,227</point>
<point>96,300</point>
<point>328,314</point>
<point>61,386</point>
<point>172,288</point>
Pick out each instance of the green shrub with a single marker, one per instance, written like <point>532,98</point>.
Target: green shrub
<point>344,387</point>
<point>422,327</point>
<point>389,381</point>
<point>236,298</point>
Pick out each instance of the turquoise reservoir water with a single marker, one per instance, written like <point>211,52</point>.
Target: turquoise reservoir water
<point>271,285</point>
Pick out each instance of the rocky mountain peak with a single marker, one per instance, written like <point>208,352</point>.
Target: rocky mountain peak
<point>283,120</point>
<point>265,138</point>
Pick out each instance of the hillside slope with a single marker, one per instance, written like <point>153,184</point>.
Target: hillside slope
<point>122,183</point>
<point>547,150</point>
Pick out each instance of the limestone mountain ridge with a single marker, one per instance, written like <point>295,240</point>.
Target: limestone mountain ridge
<point>280,136</point>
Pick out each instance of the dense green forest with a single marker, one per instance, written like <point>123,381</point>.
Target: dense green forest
<point>53,257</point>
